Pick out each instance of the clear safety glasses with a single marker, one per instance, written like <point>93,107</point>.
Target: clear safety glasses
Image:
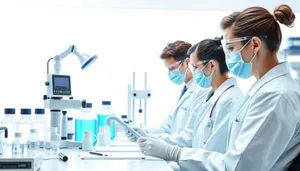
<point>193,66</point>
<point>173,66</point>
<point>228,48</point>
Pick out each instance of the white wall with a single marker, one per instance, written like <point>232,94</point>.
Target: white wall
<point>216,5</point>
<point>125,41</point>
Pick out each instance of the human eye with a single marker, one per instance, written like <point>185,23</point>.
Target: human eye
<point>230,49</point>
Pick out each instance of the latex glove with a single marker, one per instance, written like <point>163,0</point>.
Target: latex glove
<point>159,148</point>
<point>139,130</point>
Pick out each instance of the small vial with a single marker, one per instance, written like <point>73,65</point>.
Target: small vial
<point>51,147</point>
<point>103,137</point>
<point>18,144</point>
<point>70,129</point>
<point>33,142</point>
<point>64,126</point>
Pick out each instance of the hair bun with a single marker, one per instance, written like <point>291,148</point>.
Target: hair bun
<point>284,15</point>
<point>218,40</point>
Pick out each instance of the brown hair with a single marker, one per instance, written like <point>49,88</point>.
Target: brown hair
<point>192,49</point>
<point>177,50</point>
<point>257,21</point>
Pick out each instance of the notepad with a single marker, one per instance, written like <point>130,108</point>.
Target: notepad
<point>117,149</point>
<point>117,156</point>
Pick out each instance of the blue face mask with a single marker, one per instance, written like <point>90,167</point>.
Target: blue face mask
<point>176,77</point>
<point>202,80</point>
<point>237,66</point>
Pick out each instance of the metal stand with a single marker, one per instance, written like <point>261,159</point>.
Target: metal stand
<point>56,106</point>
<point>142,96</point>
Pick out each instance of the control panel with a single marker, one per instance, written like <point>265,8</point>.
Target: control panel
<point>58,85</point>
<point>15,165</point>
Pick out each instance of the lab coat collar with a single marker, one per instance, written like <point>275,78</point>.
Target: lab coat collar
<point>222,88</point>
<point>191,85</point>
<point>279,70</point>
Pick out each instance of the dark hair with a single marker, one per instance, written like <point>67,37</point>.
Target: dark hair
<point>177,50</point>
<point>192,49</point>
<point>257,21</point>
<point>209,49</point>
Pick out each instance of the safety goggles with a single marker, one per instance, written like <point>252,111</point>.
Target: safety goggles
<point>173,66</point>
<point>228,48</point>
<point>193,66</point>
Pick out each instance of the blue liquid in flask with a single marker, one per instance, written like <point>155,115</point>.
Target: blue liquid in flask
<point>82,125</point>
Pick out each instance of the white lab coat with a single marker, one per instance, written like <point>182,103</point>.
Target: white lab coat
<point>179,115</point>
<point>197,134</point>
<point>264,129</point>
<point>211,134</point>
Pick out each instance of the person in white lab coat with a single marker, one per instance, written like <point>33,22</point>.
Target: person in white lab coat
<point>176,61</point>
<point>210,69</point>
<point>264,126</point>
<point>209,131</point>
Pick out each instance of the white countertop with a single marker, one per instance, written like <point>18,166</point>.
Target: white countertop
<point>76,164</point>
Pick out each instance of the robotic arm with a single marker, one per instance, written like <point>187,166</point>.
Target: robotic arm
<point>85,59</point>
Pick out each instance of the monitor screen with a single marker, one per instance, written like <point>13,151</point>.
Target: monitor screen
<point>61,85</point>
<point>61,82</point>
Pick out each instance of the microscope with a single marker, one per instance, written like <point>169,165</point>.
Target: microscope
<point>59,92</point>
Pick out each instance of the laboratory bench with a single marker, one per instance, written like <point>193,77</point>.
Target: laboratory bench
<point>75,163</point>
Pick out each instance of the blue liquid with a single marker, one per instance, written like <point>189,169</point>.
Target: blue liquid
<point>82,125</point>
<point>102,122</point>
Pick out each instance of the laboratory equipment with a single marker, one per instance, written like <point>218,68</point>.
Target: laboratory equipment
<point>5,136</point>
<point>141,96</point>
<point>70,130</point>
<point>118,127</point>
<point>59,90</point>
<point>51,145</point>
<point>25,123</point>
<point>10,122</point>
<point>103,137</point>
<point>26,162</point>
<point>86,121</point>
<point>291,54</point>
<point>63,157</point>
<point>87,142</point>
<point>293,43</point>
<point>55,103</point>
<point>33,142</point>
<point>18,145</point>
<point>125,126</point>
<point>124,118</point>
<point>105,113</point>
<point>40,124</point>
<point>120,136</point>
<point>64,126</point>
